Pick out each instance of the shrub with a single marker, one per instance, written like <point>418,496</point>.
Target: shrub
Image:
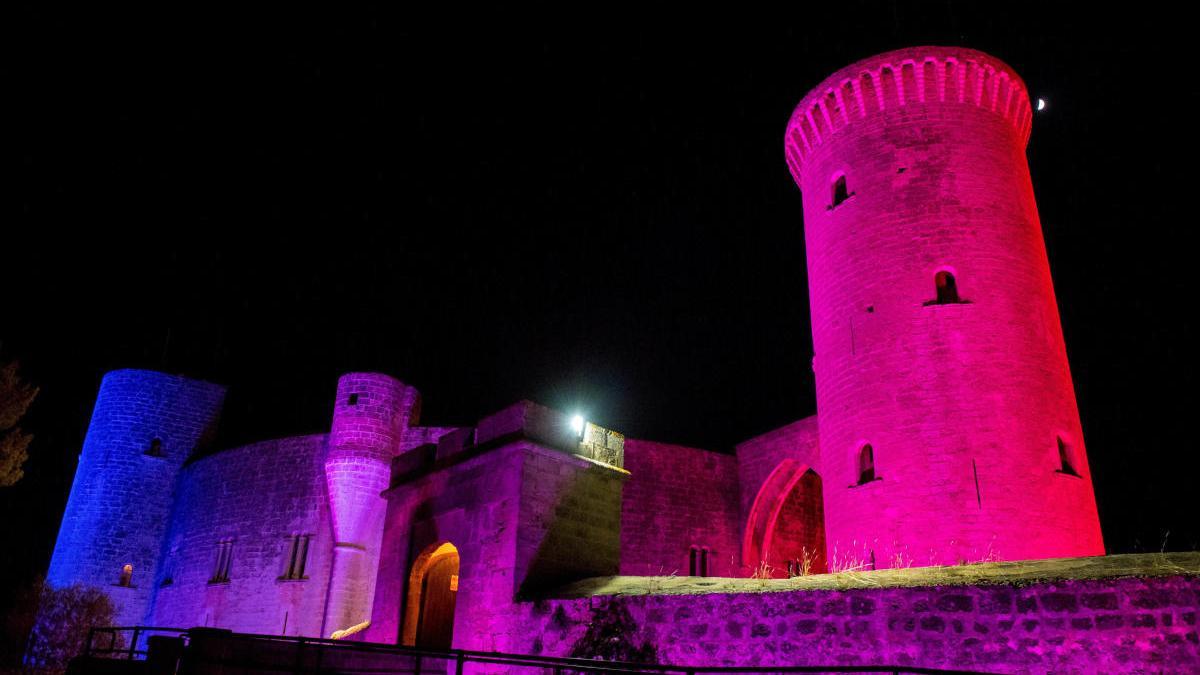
<point>64,617</point>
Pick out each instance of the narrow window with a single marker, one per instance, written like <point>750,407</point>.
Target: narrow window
<point>168,576</point>
<point>126,579</point>
<point>293,545</point>
<point>302,559</point>
<point>353,399</point>
<point>1065,459</point>
<point>840,194</point>
<point>866,464</point>
<point>693,562</point>
<point>297,558</point>
<point>704,561</point>
<point>155,449</point>
<point>221,568</point>
<point>945,290</point>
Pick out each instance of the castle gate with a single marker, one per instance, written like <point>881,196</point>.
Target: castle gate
<point>432,590</point>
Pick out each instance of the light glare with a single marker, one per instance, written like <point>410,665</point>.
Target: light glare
<point>577,424</point>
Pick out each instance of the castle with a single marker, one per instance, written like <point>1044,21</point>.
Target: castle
<point>946,427</point>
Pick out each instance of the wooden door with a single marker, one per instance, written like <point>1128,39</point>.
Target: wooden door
<point>435,626</point>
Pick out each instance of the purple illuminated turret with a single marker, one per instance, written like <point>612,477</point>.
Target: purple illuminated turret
<point>369,418</point>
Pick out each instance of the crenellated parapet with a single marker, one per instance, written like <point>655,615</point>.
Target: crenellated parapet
<point>905,77</point>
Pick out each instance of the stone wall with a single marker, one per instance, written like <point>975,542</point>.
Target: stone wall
<point>256,498</point>
<point>677,498</point>
<point>1113,624</point>
<point>569,520</point>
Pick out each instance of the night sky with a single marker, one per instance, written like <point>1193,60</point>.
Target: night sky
<point>595,215</point>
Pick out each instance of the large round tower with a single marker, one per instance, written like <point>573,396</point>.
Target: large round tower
<point>144,427</point>
<point>370,416</point>
<point>948,425</point>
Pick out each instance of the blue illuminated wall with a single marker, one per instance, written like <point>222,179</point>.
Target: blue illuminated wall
<point>117,512</point>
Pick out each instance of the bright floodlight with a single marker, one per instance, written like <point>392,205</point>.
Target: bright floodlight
<point>1041,104</point>
<point>577,424</point>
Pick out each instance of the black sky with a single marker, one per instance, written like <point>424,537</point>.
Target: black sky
<point>591,214</point>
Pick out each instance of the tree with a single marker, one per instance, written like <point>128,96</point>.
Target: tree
<point>612,635</point>
<point>15,398</point>
<point>64,617</point>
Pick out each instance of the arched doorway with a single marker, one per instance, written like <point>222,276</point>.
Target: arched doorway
<point>785,534</point>
<point>432,590</point>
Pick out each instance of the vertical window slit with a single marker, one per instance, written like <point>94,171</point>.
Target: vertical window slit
<point>1066,459</point>
<point>978,497</point>
<point>866,464</point>
<point>840,191</point>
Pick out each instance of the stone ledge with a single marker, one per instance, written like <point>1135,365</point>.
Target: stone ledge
<point>1018,573</point>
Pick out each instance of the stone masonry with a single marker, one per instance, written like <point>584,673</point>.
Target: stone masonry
<point>946,433</point>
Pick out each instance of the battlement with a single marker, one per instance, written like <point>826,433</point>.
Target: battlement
<point>916,75</point>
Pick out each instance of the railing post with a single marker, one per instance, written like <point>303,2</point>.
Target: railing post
<point>133,642</point>
<point>417,665</point>
<point>87,650</point>
<point>458,664</point>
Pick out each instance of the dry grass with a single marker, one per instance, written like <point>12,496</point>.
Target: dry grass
<point>979,573</point>
<point>763,571</point>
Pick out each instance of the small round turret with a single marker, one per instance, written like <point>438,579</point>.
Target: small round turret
<point>370,415</point>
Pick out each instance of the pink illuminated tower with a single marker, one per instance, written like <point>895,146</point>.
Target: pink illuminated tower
<point>948,425</point>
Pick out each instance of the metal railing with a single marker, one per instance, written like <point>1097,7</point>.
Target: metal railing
<point>317,655</point>
<point>95,641</point>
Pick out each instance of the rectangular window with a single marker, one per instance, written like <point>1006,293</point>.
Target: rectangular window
<point>698,561</point>
<point>297,557</point>
<point>221,568</point>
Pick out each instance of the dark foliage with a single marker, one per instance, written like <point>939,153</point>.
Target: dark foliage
<point>612,635</point>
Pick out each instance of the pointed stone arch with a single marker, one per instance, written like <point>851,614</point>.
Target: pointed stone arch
<point>786,520</point>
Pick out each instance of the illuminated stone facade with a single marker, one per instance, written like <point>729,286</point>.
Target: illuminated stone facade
<point>946,432</point>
